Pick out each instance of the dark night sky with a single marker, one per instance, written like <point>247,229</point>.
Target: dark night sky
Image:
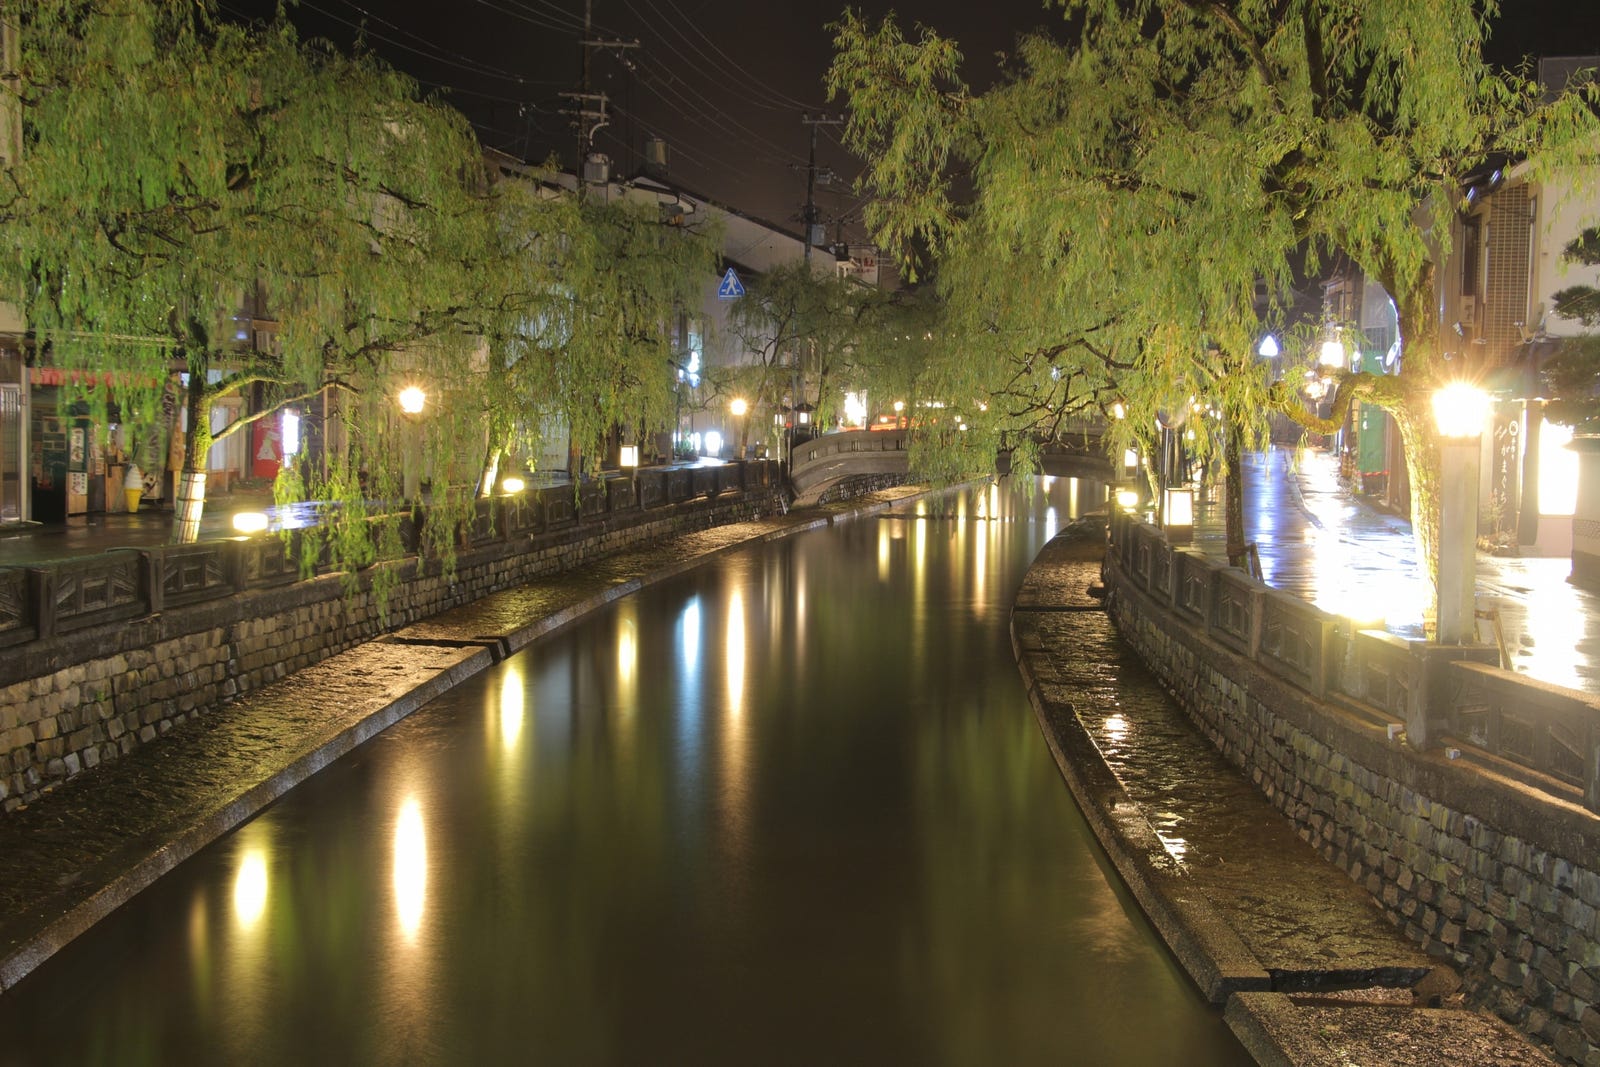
<point>724,82</point>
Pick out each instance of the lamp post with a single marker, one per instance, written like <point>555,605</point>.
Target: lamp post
<point>412,401</point>
<point>1459,410</point>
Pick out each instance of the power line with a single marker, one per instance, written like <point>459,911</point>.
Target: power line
<point>772,100</point>
<point>437,53</point>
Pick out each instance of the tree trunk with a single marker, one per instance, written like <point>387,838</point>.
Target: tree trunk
<point>190,504</point>
<point>1233,492</point>
<point>491,471</point>
<point>191,489</point>
<point>1415,421</point>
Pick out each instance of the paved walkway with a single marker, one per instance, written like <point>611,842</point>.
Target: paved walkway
<point>74,855</point>
<point>1318,541</point>
<point>1309,968</point>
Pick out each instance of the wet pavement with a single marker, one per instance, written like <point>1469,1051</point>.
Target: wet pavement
<point>149,527</point>
<point>1310,970</point>
<point>1322,543</point>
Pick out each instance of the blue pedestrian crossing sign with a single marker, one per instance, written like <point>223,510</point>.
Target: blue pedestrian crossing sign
<point>731,288</point>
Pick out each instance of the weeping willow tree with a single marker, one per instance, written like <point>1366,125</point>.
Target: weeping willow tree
<point>1101,270</point>
<point>579,335</point>
<point>172,163</point>
<point>806,334</point>
<point>608,359</point>
<point>1141,187</point>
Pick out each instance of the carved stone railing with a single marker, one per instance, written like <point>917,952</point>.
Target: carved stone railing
<point>1547,728</point>
<point>1434,693</point>
<point>76,593</point>
<point>16,608</point>
<point>52,599</point>
<point>188,574</point>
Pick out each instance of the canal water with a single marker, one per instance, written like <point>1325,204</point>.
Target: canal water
<point>792,807</point>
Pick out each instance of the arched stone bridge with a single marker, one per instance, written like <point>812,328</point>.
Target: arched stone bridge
<point>825,461</point>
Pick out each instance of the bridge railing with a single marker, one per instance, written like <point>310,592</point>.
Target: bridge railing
<point>848,442</point>
<point>855,442</point>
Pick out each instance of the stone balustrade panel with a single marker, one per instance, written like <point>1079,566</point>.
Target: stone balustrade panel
<point>621,495</point>
<point>1546,728</point>
<point>592,502</point>
<point>1192,580</point>
<point>652,488</point>
<point>188,574</point>
<point>1298,641</point>
<point>17,608</point>
<point>703,481</point>
<point>1234,611</point>
<point>97,589</point>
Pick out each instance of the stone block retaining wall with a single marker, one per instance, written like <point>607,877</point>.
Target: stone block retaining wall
<point>1486,869</point>
<point>71,700</point>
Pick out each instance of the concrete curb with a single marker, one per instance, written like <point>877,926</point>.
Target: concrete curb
<point>1280,1031</point>
<point>1209,950</point>
<point>208,826</point>
<point>211,825</point>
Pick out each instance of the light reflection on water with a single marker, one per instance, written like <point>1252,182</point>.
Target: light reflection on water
<point>793,804</point>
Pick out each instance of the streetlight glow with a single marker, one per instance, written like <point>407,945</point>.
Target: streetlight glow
<point>738,407</point>
<point>1460,409</point>
<point>412,400</point>
<point>250,522</point>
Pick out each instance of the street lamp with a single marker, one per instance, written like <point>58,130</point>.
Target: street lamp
<point>1460,410</point>
<point>412,400</point>
<point>737,408</point>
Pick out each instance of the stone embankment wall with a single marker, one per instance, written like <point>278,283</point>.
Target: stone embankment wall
<point>1489,866</point>
<point>70,700</point>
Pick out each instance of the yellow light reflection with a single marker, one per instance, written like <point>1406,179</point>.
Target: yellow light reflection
<point>1074,507</point>
<point>250,888</point>
<point>512,709</point>
<point>627,653</point>
<point>733,653</point>
<point>994,500</point>
<point>410,868</point>
<point>980,575</point>
<point>1049,523</point>
<point>883,552</point>
<point>1116,727</point>
<point>919,551</point>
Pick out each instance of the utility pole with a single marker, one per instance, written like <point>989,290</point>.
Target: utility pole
<point>811,214</point>
<point>589,107</point>
<point>809,217</point>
